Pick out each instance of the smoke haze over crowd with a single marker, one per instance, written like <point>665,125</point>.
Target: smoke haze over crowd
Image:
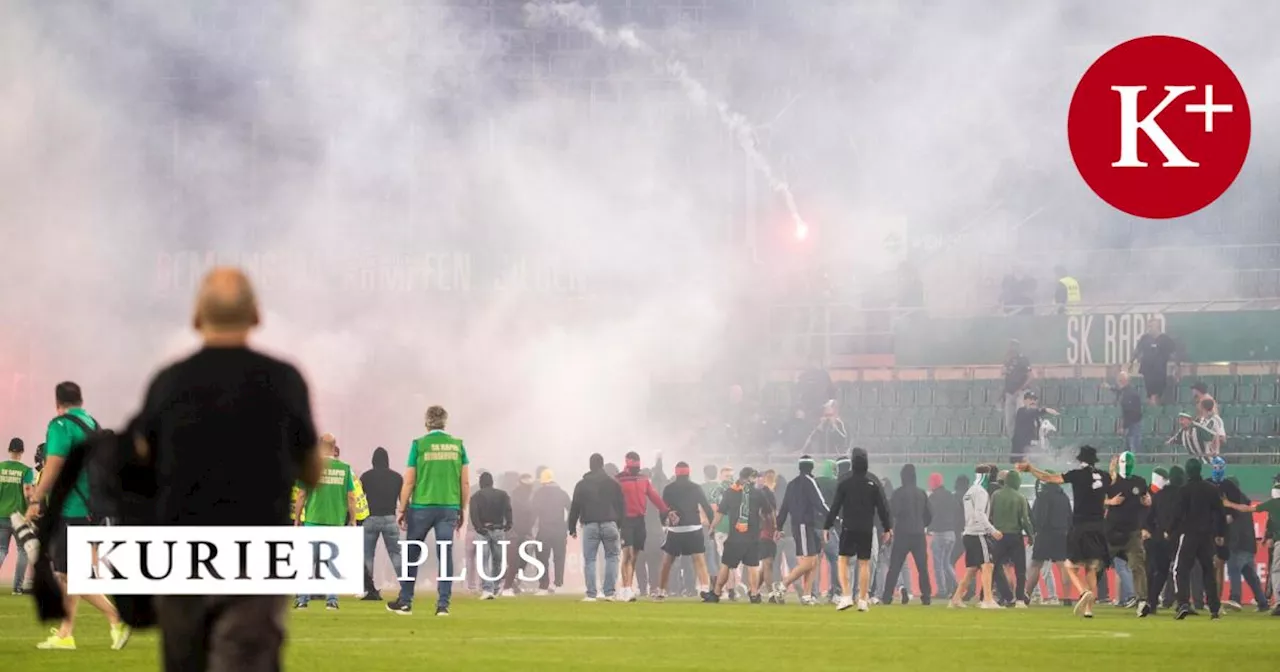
<point>430,219</point>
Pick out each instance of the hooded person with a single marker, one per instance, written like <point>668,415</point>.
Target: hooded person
<point>1128,502</point>
<point>827,483</point>
<point>1200,524</point>
<point>945,528</point>
<point>522,526</point>
<point>684,536</point>
<point>1239,552</point>
<point>491,518</point>
<point>844,467</point>
<point>1160,537</point>
<point>637,493</point>
<point>806,507</point>
<point>1239,527</point>
<point>960,487</point>
<point>381,486</point>
<point>880,568</point>
<point>1011,514</point>
<point>550,507</point>
<point>1087,540</point>
<point>597,503</point>
<point>912,516</point>
<point>858,503</point>
<point>1051,519</point>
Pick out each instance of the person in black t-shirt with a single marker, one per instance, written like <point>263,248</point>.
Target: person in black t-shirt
<point>745,508</point>
<point>1087,541</point>
<point>1152,355</point>
<point>229,431</point>
<point>1128,499</point>
<point>1017,376</point>
<point>1026,425</point>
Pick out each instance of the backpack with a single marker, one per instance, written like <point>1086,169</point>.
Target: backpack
<point>100,467</point>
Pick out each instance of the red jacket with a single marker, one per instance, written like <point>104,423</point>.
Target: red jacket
<point>634,490</point>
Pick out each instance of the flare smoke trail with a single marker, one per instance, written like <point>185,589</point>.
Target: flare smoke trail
<point>584,19</point>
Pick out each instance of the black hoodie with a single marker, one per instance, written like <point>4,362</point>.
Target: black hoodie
<point>1051,513</point>
<point>490,508</point>
<point>910,506</point>
<point>1199,512</point>
<point>685,498</point>
<point>947,512</point>
<point>550,503</point>
<point>597,498</point>
<point>859,501</point>
<point>522,508</point>
<point>381,485</point>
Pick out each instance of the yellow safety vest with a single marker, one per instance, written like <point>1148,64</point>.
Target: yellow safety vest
<point>1073,294</point>
<point>362,502</point>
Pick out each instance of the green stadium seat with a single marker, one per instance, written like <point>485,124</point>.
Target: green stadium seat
<point>1051,395</point>
<point>1266,390</point>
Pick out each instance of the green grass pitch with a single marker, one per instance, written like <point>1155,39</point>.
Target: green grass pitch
<point>559,633</point>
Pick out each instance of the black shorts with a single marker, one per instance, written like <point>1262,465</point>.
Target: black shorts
<point>808,540</point>
<point>855,544</point>
<point>768,549</point>
<point>740,552</point>
<point>1155,385</point>
<point>977,551</point>
<point>633,533</point>
<point>59,543</point>
<point>1049,547</point>
<point>1087,542</point>
<point>679,544</point>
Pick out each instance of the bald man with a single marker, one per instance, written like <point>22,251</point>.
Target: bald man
<point>229,431</point>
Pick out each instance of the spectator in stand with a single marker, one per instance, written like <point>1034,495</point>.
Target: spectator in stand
<point>1017,293</point>
<point>1210,420</point>
<point>1152,355</point>
<point>830,436</point>
<point>1200,392</point>
<point>1067,294</point>
<point>814,388</point>
<point>1026,425</point>
<point>1130,411</point>
<point>1017,376</point>
<point>947,524</point>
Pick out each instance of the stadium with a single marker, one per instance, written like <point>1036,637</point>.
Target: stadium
<point>752,243</point>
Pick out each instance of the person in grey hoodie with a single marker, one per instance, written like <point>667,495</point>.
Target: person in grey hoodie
<point>911,514</point>
<point>977,547</point>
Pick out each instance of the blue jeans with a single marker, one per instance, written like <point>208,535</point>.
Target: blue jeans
<point>1133,438</point>
<point>306,599</point>
<point>1125,576</point>
<point>595,535</point>
<point>20,571</point>
<point>944,572</point>
<point>493,555</point>
<point>1241,565</point>
<point>831,551</point>
<point>421,522</point>
<point>386,528</point>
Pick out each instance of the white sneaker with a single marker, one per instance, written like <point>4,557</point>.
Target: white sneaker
<point>989,605</point>
<point>1083,604</point>
<point>607,598</point>
<point>1232,605</point>
<point>806,601</point>
<point>844,603</point>
<point>543,593</point>
<point>1019,605</point>
<point>508,593</point>
<point>875,600</point>
<point>957,605</point>
<point>588,599</point>
<point>863,606</point>
<point>488,596</point>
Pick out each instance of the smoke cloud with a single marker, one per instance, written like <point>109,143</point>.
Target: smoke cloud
<point>439,205</point>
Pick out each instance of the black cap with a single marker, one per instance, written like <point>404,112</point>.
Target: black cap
<point>1088,455</point>
<point>16,445</point>
<point>1030,395</point>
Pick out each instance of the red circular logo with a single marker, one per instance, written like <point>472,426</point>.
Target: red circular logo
<point>1159,127</point>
